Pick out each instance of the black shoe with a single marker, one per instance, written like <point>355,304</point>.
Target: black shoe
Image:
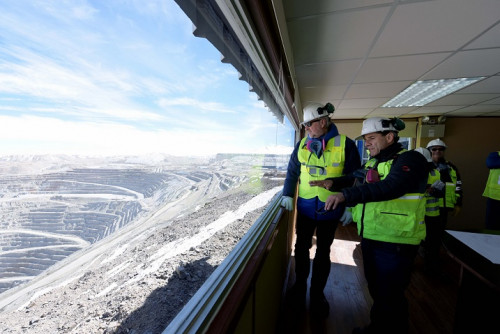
<point>319,305</point>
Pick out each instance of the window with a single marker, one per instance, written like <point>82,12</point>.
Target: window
<point>364,154</point>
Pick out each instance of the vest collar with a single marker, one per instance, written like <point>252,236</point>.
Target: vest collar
<point>389,152</point>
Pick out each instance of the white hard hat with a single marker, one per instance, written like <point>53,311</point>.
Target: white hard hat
<point>380,124</point>
<point>425,152</point>
<point>316,110</point>
<point>436,142</point>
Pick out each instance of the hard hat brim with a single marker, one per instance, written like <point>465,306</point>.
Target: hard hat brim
<point>314,119</point>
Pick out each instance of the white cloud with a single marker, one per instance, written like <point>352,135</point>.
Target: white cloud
<point>196,105</point>
<point>55,136</point>
<point>110,79</point>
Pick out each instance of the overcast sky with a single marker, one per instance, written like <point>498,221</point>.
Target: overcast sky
<point>121,77</point>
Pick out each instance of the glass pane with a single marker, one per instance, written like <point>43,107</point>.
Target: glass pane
<point>127,144</point>
<point>365,154</point>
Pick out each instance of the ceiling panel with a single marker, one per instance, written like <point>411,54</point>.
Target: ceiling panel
<point>434,110</point>
<point>351,113</point>
<point>471,63</point>
<point>475,110</point>
<point>327,74</point>
<point>398,68</point>
<point>488,40</point>
<point>359,54</point>
<point>392,112</point>
<point>487,86</point>
<point>463,99</point>
<point>315,39</point>
<point>376,89</point>
<point>361,103</point>
<point>493,101</point>
<point>318,7</point>
<point>324,93</point>
<point>410,26</point>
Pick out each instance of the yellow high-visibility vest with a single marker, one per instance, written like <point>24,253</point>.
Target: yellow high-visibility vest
<point>330,164</point>
<point>400,220</point>
<point>492,189</point>
<point>431,202</point>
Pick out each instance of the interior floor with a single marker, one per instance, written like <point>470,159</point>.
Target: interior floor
<point>431,298</point>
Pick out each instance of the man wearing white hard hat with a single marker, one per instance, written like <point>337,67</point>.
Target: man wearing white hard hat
<point>452,201</point>
<point>431,246</point>
<point>389,209</point>
<point>322,153</point>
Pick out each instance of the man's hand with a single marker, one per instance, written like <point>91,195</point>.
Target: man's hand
<point>327,184</point>
<point>287,203</point>
<point>333,201</point>
<point>456,210</point>
<point>346,217</point>
<point>439,185</point>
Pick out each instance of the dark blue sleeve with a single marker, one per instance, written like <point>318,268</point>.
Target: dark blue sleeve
<point>493,160</point>
<point>352,159</point>
<point>292,174</point>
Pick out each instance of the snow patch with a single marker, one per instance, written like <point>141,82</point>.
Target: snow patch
<point>115,254</point>
<point>182,245</point>
<point>108,289</point>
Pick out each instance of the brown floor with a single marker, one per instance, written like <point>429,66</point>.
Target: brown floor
<point>431,299</point>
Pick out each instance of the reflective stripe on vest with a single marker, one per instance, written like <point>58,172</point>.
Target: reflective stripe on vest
<point>399,220</point>
<point>431,202</point>
<point>451,195</point>
<point>492,189</point>
<point>330,164</point>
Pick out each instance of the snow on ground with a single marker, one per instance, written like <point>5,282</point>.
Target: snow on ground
<point>136,280</point>
<point>182,245</point>
<point>41,215</point>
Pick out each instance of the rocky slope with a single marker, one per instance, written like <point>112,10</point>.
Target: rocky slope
<point>140,284</point>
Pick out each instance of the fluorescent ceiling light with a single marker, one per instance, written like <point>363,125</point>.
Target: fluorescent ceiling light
<point>422,92</point>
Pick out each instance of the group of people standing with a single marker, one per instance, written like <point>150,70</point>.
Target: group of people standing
<point>443,197</point>
<point>387,198</point>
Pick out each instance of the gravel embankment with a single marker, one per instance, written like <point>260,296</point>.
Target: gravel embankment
<point>137,291</point>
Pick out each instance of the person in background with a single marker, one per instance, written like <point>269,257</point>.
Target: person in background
<point>492,191</point>
<point>431,246</point>
<point>389,209</point>
<point>322,153</point>
<point>452,200</point>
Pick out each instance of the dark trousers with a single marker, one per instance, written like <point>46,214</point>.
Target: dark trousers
<point>325,233</point>
<point>492,214</point>
<point>388,269</point>
<point>434,228</point>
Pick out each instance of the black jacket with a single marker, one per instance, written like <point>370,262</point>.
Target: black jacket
<point>444,169</point>
<point>408,174</point>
